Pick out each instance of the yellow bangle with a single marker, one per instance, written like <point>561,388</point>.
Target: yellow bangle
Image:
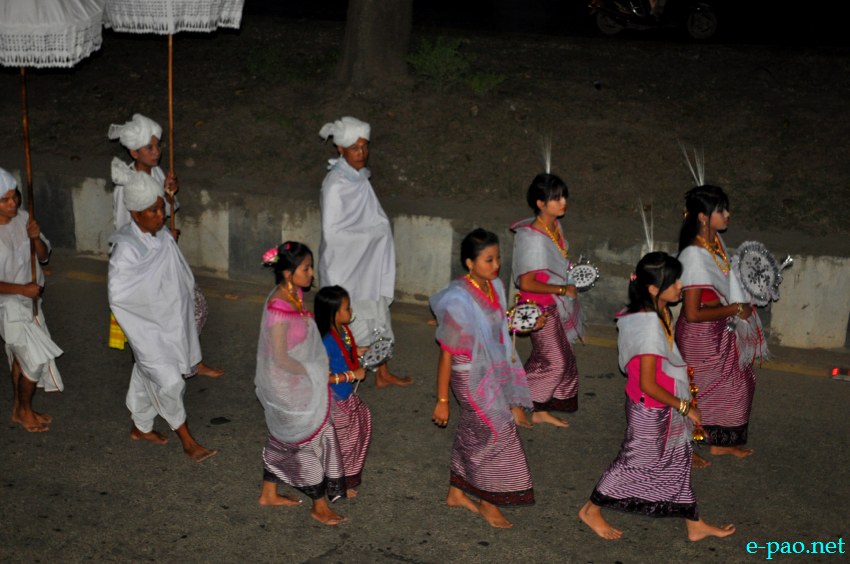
<point>336,379</point>
<point>443,400</point>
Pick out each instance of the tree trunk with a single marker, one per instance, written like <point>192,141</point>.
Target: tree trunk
<point>377,37</point>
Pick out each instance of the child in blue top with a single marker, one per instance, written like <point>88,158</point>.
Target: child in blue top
<point>352,419</point>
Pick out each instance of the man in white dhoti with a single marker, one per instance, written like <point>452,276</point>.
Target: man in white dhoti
<point>151,293</point>
<point>357,250</point>
<point>29,348</point>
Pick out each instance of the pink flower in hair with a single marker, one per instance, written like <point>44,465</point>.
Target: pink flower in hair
<point>270,257</point>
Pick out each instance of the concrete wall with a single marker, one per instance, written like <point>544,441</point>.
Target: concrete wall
<point>227,233</point>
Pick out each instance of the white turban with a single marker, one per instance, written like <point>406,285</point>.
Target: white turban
<point>7,182</point>
<point>140,188</point>
<point>135,133</point>
<point>346,131</point>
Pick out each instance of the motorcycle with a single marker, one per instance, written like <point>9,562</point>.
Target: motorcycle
<point>698,17</point>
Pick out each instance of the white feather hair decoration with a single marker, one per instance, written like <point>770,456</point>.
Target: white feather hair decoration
<point>697,167</point>
<point>546,147</point>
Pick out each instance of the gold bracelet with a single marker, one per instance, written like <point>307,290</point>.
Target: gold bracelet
<point>336,378</point>
<point>740,310</point>
<point>443,400</point>
<point>562,290</point>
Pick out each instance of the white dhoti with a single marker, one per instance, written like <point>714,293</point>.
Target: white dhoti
<point>28,341</point>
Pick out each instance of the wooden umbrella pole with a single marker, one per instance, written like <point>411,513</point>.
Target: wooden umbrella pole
<point>171,121</point>
<point>30,198</point>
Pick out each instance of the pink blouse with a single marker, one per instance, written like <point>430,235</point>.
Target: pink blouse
<point>543,300</point>
<point>633,383</point>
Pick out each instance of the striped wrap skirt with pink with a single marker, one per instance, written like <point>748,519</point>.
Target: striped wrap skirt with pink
<point>495,471</point>
<point>313,466</point>
<point>551,368</point>
<point>652,475</point>
<point>353,424</point>
<point>726,390</point>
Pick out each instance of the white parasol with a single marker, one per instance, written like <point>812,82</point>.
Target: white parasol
<point>167,17</point>
<point>46,33</point>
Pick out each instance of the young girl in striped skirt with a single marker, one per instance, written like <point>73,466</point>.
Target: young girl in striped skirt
<point>540,271</point>
<point>478,359</point>
<point>726,384</point>
<point>652,474</point>
<point>292,385</point>
<point>352,419</point>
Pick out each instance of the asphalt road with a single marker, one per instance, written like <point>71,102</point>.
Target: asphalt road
<point>84,491</point>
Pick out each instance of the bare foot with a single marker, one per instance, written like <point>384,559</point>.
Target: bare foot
<point>698,530</point>
<point>736,451</point>
<point>546,417</point>
<point>43,418</point>
<point>279,500</point>
<point>209,372</point>
<point>384,378</point>
<point>324,514</point>
<point>199,453</point>
<point>698,461</point>
<point>29,422</point>
<point>457,498</point>
<point>270,498</point>
<point>350,493</point>
<point>151,436</point>
<point>520,418</point>
<point>591,515</point>
<point>493,516</point>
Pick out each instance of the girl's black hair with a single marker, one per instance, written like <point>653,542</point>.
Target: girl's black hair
<point>654,269</point>
<point>475,242</point>
<point>704,199</point>
<point>545,187</point>
<point>289,255</point>
<point>326,305</point>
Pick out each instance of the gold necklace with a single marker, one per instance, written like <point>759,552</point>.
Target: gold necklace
<point>346,336</point>
<point>555,235</point>
<point>294,299</point>
<point>665,324</point>
<point>488,292</point>
<point>716,250</point>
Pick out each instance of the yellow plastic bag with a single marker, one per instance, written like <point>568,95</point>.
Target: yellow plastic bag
<point>117,338</point>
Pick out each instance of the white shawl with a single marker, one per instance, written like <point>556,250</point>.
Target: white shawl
<point>533,251</point>
<point>641,333</point>
<point>357,250</point>
<point>152,294</point>
<point>699,270</point>
<point>292,373</point>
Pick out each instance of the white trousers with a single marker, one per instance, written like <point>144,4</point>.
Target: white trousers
<point>148,398</point>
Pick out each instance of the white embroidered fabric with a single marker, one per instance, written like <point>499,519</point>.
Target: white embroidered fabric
<point>49,33</point>
<point>170,16</point>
